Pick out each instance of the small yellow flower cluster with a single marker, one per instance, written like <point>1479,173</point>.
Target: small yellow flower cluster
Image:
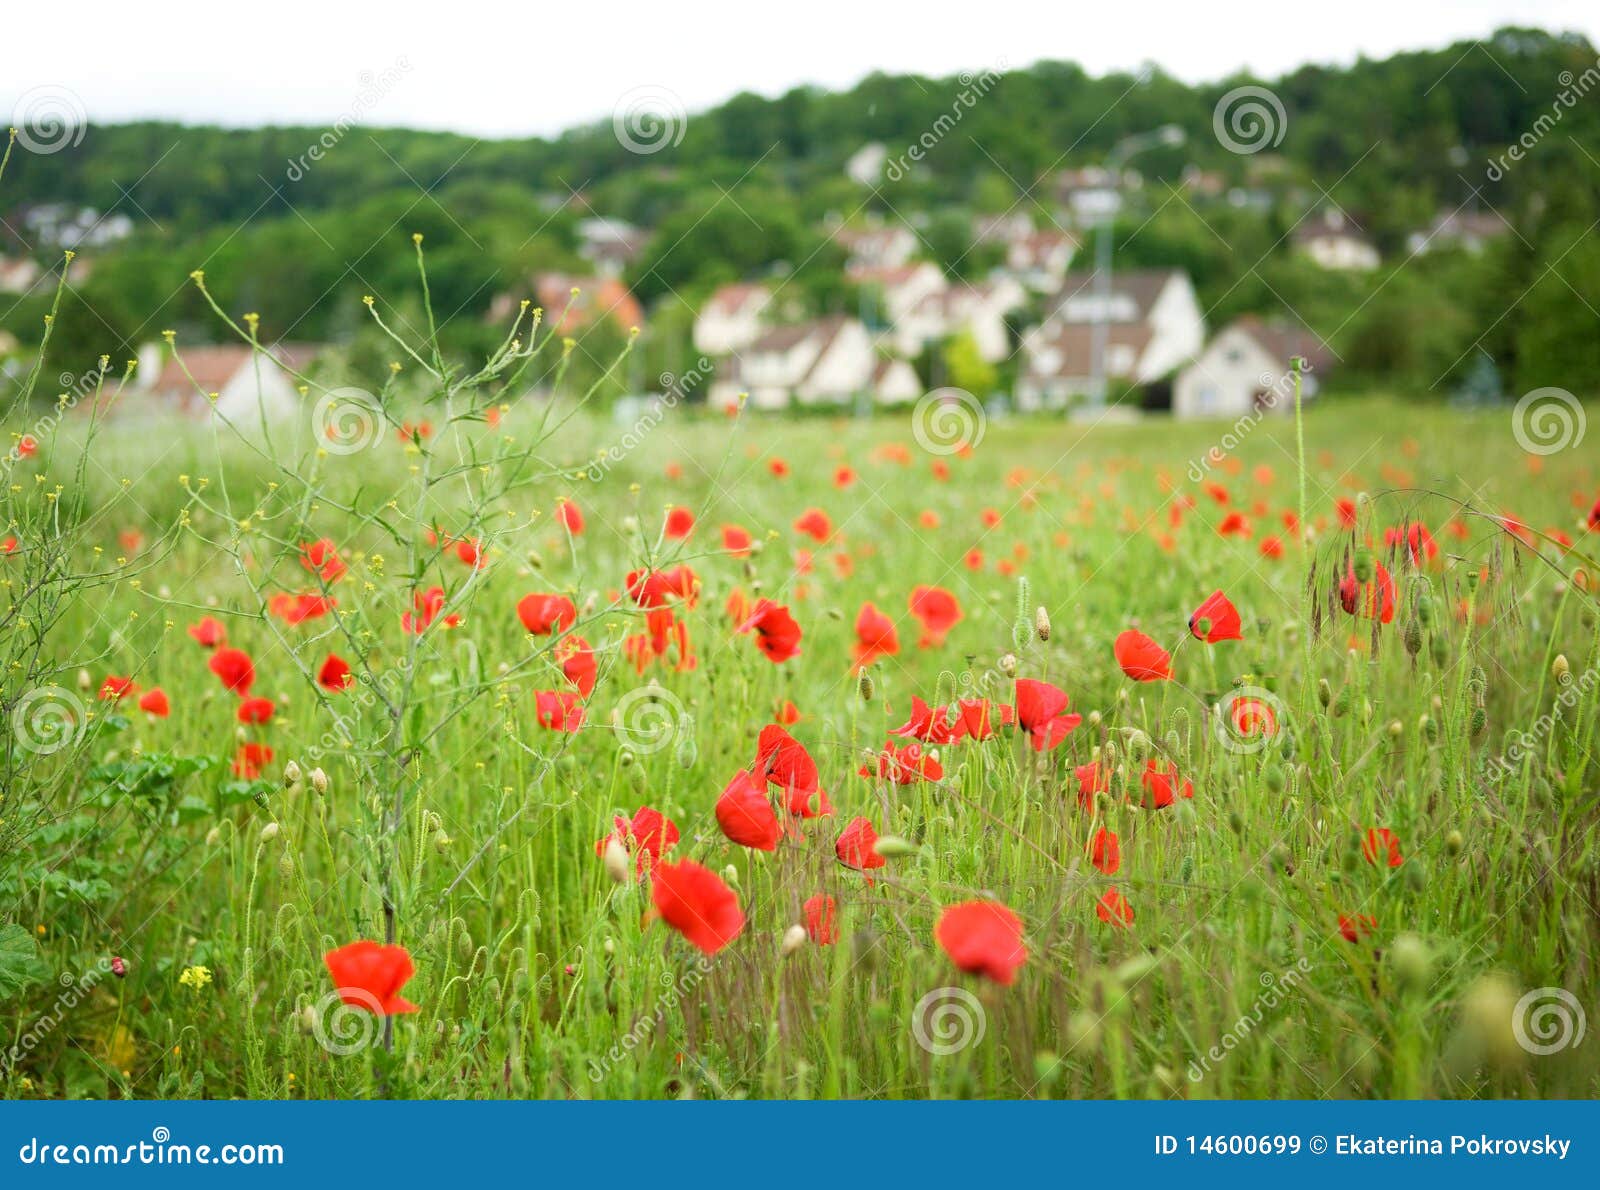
<point>195,977</point>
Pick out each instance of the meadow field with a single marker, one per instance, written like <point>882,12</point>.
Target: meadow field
<point>924,755</point>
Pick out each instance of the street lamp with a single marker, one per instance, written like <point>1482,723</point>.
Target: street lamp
<point>1124,150</point>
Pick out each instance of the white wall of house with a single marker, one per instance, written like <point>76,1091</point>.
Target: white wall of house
<point>1179,326</point>
<point>1333,251</point>
<point>718,330</point>
<point>260,387</point>
<point>1228,376</point>
<point>843,369</point>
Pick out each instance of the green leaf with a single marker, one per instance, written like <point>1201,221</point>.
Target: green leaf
<point>20,963</point>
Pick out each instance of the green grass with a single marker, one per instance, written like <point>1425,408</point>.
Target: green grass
<point>538,976</point>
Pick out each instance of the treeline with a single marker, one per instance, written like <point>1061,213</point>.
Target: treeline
<point>747,189</point>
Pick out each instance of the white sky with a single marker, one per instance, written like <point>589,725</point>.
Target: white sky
<point>517,68</point>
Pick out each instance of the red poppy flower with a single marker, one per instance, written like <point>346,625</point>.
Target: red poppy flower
<point>1215,619</point>
<point>255,710</point>
<point>428,605</point>
<point>1249,716</point>
<point>570,515</point>
<point>250,759</point>
<point>1114,910</point>
<point>973,559</point>
<point>296,609</point>
<point>937,610</point>
<point>1092,778</point>
<point>1594,517</point>
<point>737,540</point>
<point>234,667</point>
<point>821,920</point>
<point>784,761</point>
<point>1163,785</point>
<point>577,663</point>
<point>154,702</point>
<point>648,835</point>
<point>680,523</point>
<point>115,689</point>
<point>1042,713</point>
<point>1271,547</point>
<point>931,725</point>
<point>369,975</point>
<point>9,545</point>
<point>1141,658</point>
<point>746,816</point>
<point>209,633</point>
<point>977,718</point>
<point>558,710</point>
<point>814,523</point>
<point>788,712</point>
<point>1381,845</point>
<point>543,615</point>
<point>335,673</point>
<point>322,559</point>
<point>27,446</point>
<point>779,468</point>
<point>982,938</point>
<point>694,901</point>
<point>470,552</point>
<point>1105,851</point>
<point>904,765</point>
<point>856,846</point>
<point>1357,926</point>
<point>1234,525</point>
<point>1374,599</point>
<point>1419,543</point>
<point>777,634</point>
<point>843,477</point>
<point>875,635</point>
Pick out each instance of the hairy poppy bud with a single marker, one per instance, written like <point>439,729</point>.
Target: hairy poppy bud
<point>1413,638</point>
<point>269,832</point>
<point>291,775</point>
<point>1413,965</point>
<point>84,680</point>
<point>1479,721</point>
<point>1453,842</point>
<point>894,847</point>
<point>864,684</point>
<point>616,860</point>
<point>286,864</point>
<point>1324,692</point>
<point>1560,670</point>
<point>319,780</point>
<point>1362,566</point>
<point>1008,664</point>
<point>441,841</point>
<point>793,939</point>
<point>1041,623</point>
<point>730,876</point>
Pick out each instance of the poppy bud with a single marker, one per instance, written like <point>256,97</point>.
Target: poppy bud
<point>1041,623</point>
<point>1413,965</point>
<point>1429,727</point>
<point>1276,781</point>
<point>118,967</point>
<point>84,680</point>
<point>1425,608</point>
<point>894,847</point>
<point>1396,729</point>
<point>1324,692</point>
<point>1083,1032</point>
<point>1439,649</point>
<point>308,1018</point>
<point>1008,664</point>
<point>1453,842</point>
<point>688,750</point>
<point>1362,566</point>
<point>269,832</point>
<point>291,775</point>
<point>1560,670</point>
<point>213,836</point>
<point>625,757</point>
<point>793,939</point>
<point>286,864</point>
<point>441,842</point>
<point>1413,638</point>
<point>864,684</point>
<point>1479,721</point>
<point>616,860</point>
<point>730,876</point>
<point>1236,822</point>
<point>319,780</point>
<point>1488,1011</point>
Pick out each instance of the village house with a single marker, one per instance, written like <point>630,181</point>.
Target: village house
<point>1152,324</point>
<point>1468,230</point>
<point>1245,370</point>
<point>572,303</point>
<point>1040,259</point>
<point>731,319</point>
<point>898,288</point>
<point>62,225</point>
<point>610,245</point>
<point>1001,229</point>
<point>17,274</point>
<point>882,246</point>
<point>979,310</point>
<point>830,361</point>
<point>865,166</point>
<point>1335,242</point>
<point>1091,194</point>
<point>248,386</point>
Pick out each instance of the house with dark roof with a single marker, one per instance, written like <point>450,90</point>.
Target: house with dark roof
<point>829,361</point>
<point>231,381</point>
<point>732,318</point>
<point>1245,369</point>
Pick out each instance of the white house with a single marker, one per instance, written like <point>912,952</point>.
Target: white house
<point>17,274</point>
<point>1040,259</point>
<point>826,362</point>
<point>899,288</point>
<point>1245,369</point>
<point>881,246</point>
<point>1469,230</point>
<point>979,310</point>
<point>1153,325</point>
<point>246,384</point>
<point>865,167</point>
<point>1335,242</point>
<point>610,244</point>
<point>731,319</point>
<point>1092,194</point>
